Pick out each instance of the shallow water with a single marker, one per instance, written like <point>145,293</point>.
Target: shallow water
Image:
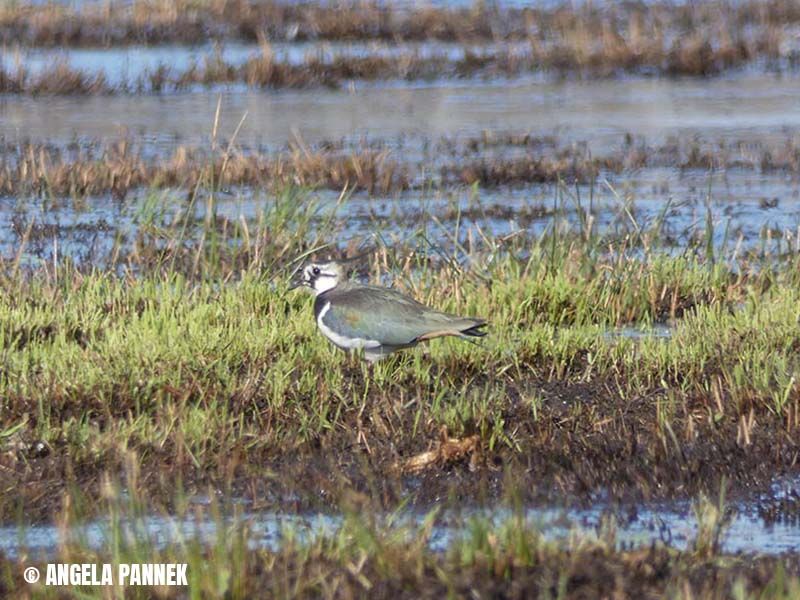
<point>753,106</point>
<point>743,206</point>
<point>749,106</point>
<point>671,523</point>
<point>125,65</point>
<point>748,212</point>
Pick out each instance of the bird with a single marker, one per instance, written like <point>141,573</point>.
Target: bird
<point>377,320</point>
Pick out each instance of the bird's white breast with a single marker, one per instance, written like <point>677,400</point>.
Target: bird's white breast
<point>340,340</point>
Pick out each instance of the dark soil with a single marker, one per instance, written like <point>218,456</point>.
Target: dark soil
<point>586,441</point>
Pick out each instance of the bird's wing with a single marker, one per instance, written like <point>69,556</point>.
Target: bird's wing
<point>389,317</point>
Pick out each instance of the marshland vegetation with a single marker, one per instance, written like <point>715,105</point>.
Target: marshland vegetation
<point>195,370</point>
<point>643,294</point>
<point>660,38</point>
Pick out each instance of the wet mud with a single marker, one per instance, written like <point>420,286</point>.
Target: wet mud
<point>584,443</point>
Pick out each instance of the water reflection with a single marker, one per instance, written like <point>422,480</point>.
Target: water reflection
<point>675,219</point>
<point>746,106</point>
<point>671,523</point>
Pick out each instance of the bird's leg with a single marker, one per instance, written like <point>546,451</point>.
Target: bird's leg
<point>352,359</point>
<point>368,369</point>
<point>361,438</point>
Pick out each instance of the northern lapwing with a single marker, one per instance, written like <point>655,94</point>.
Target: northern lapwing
<point>377,320</point>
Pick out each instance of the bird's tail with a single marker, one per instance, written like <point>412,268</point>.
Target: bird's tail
<point>475,330</point>
<point>464,329</point>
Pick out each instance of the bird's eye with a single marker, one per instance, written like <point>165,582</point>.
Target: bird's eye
<point>315,270</point>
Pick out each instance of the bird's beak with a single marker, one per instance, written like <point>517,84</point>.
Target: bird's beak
<point>296,281</point>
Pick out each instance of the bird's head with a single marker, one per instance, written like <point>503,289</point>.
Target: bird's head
<point>319,277</point>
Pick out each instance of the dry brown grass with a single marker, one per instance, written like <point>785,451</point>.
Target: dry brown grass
<point>119,168</point>
<point>158,21</point>
<point>662,39</point>
<point>606,57</point>
<point>375,168</point>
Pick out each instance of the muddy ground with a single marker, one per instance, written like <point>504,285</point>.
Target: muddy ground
<point>586,444</point>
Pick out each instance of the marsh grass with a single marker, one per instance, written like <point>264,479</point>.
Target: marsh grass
<point>119,168</point>
<point>384,555</point>
<point>186,349</point>
<point>185,363</point>
<point>622,32</point>
<point>375,167</point>
<point>265,70</point>
<point>218,374</point>
<point>195,371</point>
<point>702,39</point>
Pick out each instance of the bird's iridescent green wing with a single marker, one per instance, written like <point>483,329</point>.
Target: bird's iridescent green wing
<point>386,316</point>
